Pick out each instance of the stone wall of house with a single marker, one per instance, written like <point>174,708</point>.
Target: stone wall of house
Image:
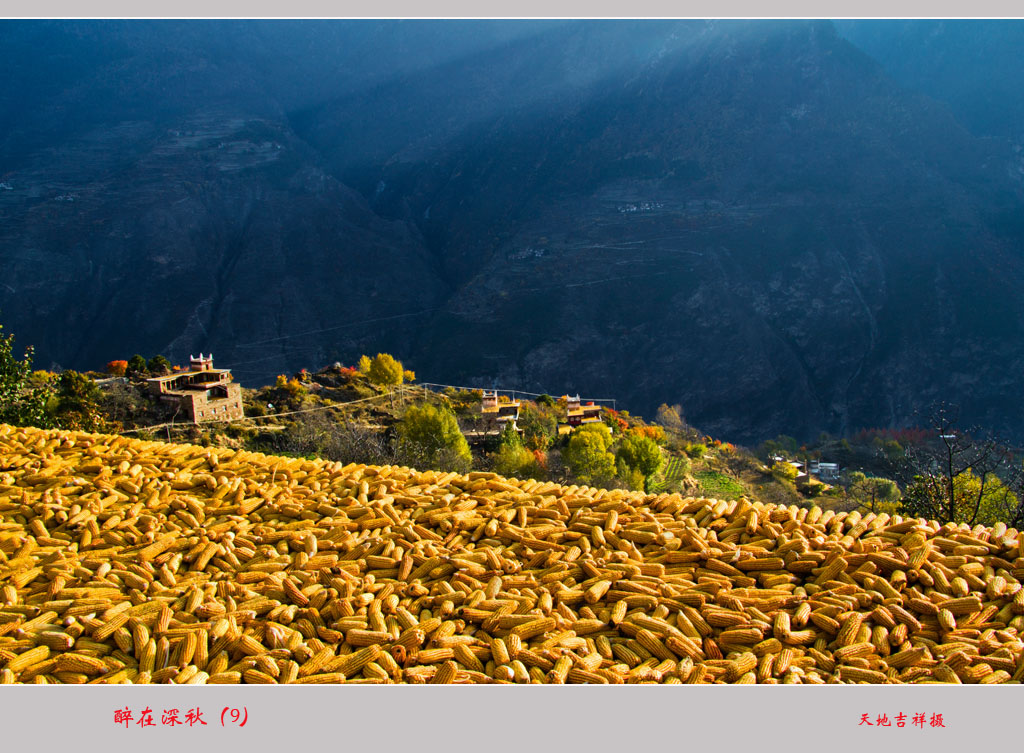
<point>218,408</point>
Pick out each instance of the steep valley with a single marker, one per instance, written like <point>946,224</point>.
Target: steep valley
<point>756,220</point>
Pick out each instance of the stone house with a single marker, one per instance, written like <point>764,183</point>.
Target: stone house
<point>202,393</point>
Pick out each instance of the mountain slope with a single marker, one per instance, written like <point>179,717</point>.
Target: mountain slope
<point>776,235</point>
<point>155,180</point>
<point>752,219</point>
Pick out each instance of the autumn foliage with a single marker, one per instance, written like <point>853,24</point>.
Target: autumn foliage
<point>542,459</point>
<point>117,368</point>
<point>653,431</point>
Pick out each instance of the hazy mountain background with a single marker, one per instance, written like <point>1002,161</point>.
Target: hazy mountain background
<point>784,226</point>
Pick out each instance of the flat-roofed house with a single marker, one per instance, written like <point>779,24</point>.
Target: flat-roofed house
<point>499,411</point>
<point>577,414</point>
<point>828,471</point>
<point>203,393</point>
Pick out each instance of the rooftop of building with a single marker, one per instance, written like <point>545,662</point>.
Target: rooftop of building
<point>194,372</point>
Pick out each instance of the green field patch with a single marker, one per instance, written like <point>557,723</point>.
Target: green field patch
<point>673,470</point>
<point>719,486</point>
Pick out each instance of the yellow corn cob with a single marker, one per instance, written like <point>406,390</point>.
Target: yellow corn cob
<point>445,674</point>
<point>303,570</point>
<point>27,659</point>
<point>256,677</point>
<point>80,663</point>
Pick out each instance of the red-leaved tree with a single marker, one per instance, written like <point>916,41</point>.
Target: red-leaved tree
<point>117,368</point>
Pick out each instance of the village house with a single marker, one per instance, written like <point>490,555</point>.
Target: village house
<point>202,393</point>
<point>826,472</point>
<point>499,411</point>
<point>577,414</point>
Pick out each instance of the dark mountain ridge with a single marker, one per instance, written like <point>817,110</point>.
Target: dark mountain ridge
<point>752,219</point>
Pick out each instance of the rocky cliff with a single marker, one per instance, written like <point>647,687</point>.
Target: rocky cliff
<point>757,220</point>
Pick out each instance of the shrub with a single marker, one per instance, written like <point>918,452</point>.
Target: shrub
<point>632,478</point>
<point>695,449</point>
<point>641,454</point>
<point>516,461</point>
<point>670,417</point>
<point>77,404</point>
<point>429,436</point>
<point>813,487</point>
<point>295,388</point>
<point>21,403</point>
<point>541,459</point>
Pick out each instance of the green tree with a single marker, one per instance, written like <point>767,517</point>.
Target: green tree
<point>781,445</point>
<point>872,493</point>
<point>892,450</point>
<point>158,365</point>
<point>600,430</point>
<point>978,499</point>
<point>631,477</point>
<point>122,404</point>
<point>587,455</point>
<point>953,451</point>
<point>509,437</point>
<point>78,400</point>
<point>640,453</point>
<point>137,366</point>
<point>538,427</point>
<point>21,403</point>
<point>985,501</point>
<point>1001,503</point>
<point>385,370</point>
<point>512,458</point>
<point>429,436</point>
<point>784,471</point>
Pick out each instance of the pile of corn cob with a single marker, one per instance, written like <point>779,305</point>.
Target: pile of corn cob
<point>124,561</point>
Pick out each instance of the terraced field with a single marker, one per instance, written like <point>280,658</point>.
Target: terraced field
<point>123,561</point>
<point>674,470</point>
